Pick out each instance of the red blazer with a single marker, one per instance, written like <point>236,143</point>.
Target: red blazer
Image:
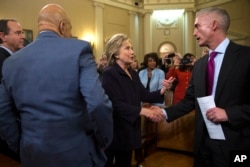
<point>182,78</point>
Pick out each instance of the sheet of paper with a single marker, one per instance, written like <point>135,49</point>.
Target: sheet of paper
<point>214,130</point>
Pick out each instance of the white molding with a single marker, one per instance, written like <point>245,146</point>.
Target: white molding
<point>234,36</point>
<point>211,3</point>
<point>118,4</point>
<point>170,4</point>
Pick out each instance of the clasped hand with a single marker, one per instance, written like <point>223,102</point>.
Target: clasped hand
<point>154,113</point>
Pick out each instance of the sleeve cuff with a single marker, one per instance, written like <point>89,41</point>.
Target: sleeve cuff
<point>165,113</point>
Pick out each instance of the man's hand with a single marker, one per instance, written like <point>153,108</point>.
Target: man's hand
<point>154,113</point>
<point>217,115</point>
<point>157,110</point>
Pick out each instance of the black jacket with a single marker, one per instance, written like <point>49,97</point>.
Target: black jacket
<point>126,96</point>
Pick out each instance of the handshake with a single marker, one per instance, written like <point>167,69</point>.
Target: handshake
<point>154,113</point>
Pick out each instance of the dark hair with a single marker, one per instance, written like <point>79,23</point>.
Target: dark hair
<point>184,67</point>
<point>152,55</point>
<point>4,26</point>
<point>188,55</point>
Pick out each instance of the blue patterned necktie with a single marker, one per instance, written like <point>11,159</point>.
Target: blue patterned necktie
<point>210,73</point>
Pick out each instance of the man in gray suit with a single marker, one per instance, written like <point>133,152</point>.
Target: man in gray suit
<point>66,118</point>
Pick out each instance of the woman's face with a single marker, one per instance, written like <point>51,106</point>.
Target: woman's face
<point>177,59</point>
<point>126,54</point>
<point>151,63</point>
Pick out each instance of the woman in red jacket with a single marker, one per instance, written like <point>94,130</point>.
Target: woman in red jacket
<point>181,71</point>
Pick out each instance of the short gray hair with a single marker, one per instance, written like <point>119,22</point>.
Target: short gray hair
<point>221,14</point>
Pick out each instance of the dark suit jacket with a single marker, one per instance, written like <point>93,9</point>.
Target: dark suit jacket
<point>126,96</point>
<point>3,55</point>
<point>232,94</point>
<point>66,118</point>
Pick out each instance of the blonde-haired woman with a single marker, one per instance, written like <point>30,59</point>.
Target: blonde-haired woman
<point>123,86</point>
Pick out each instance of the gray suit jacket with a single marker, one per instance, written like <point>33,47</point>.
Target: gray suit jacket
<point>66,118</point>
<point>232,94</point>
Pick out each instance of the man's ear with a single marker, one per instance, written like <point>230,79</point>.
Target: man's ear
<point>215,25</point>
<point>61,28</point>
<point>2,36</point>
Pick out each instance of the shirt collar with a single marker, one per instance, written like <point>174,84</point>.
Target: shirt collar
<point>8,50</point>
<point>221,48</point>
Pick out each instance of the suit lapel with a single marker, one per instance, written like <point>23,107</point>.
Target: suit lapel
<point>4,52</point>
<point>199,72</point>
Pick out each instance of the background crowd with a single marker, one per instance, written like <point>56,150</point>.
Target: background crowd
<point>80,107</point>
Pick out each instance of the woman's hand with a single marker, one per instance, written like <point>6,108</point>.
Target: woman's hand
<point>166,84</point>
<point>153,113</point>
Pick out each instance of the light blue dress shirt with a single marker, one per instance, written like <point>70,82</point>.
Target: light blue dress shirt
<point>221,49</point>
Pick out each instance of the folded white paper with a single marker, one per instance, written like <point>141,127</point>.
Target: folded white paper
<point>214,130</point>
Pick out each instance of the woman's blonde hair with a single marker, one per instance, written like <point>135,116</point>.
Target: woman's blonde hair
<point>113,46</point>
